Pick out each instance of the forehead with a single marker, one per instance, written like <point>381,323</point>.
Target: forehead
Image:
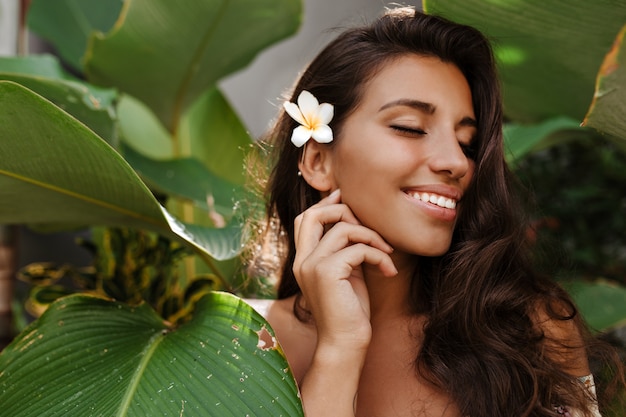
<point>424,78</point>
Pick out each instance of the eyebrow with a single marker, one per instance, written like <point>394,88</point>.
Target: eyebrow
<point>424,107</point>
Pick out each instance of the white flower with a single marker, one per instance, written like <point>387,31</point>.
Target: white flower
<point>313,118</point>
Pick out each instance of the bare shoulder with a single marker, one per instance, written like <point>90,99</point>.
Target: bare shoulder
<point>274,311</point>
<point>297,339</point>
<point>565,340</point>
<point>262,306</point>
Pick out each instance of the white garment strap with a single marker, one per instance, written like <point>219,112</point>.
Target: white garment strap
<point>588,382</point>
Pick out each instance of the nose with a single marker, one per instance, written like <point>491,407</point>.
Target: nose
<point>448,157</point>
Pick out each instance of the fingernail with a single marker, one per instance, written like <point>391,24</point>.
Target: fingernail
<point>334,193</point>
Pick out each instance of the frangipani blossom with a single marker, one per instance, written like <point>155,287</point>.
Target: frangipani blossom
<point>313,118</point>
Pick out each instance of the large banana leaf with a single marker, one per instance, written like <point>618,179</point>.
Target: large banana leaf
<point>142,131</point>
<point>43,74</point>
<point>214,134</point>
<point>43,65</point>
<point>68,364</point>
<point>186,178</point>
<point>67,24</point>
<point>54,169</point>
<point>549,52</point>
<point>607,111</point>
<point>168,53</point>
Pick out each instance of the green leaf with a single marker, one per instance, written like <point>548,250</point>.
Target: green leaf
<point>185,178</point>
<point>43,65</point>
<point>67,24</point>
<point>55,170</point>
<point>89,356</point>
<point>221,243</point>
<point>94,106</point>
<point>521,140</point>
<point>76,100</point>
<point>607,110</point>
<point>167,53</point>
<point>214,133</point>
<point>601,303</point>
<point>142,131</point>
<point>549,52</point>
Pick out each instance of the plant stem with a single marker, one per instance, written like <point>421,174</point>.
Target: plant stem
<point>8,261</point>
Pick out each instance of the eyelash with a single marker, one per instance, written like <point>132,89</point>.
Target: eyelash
<point>408,131</point>
<point>468,149</point>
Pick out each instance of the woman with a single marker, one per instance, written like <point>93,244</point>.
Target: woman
<point>405,284</point>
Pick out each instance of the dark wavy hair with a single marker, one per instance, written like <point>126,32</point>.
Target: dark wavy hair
<point>482,344</point>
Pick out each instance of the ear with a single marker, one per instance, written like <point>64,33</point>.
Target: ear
<point>316,166</point>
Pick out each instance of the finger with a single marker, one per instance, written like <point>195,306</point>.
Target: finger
<point>342,235</point>
<point>314,221</point>
<point>340,264</point>
<point>313,242</point>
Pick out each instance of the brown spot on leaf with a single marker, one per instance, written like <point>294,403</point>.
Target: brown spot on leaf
<point>266,340</point>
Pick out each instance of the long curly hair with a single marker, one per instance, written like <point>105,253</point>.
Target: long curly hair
<point>481,343</point>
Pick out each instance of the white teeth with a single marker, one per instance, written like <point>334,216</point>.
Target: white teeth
<point>438,200</point>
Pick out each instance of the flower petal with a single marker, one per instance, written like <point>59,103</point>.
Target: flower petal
<point>300,135</point>
<point>308,105</point>
<point>322,134</point>
<point>293,111</point>
<point>325,113</point>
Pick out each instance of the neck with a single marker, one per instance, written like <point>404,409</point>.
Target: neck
<point>389,296</point>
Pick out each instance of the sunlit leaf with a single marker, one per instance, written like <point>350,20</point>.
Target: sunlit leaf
<point>68,363</point>
<point>55,170</point>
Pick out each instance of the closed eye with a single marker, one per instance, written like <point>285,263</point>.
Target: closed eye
<point>469,150</point>
<point>408,131</point>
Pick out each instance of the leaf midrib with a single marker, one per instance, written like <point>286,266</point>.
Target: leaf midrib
<point>192,69</point>
<point>153,343</point>
<point>81,197</point>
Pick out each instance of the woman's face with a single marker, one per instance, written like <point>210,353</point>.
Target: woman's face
<point>403,158</point>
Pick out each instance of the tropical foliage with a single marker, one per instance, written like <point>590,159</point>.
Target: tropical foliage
<point>129,132</point>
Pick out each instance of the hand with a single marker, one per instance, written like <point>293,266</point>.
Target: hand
<point>331,246</point>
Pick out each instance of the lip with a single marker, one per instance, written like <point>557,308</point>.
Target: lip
<point>433,210</point>
<point>441,189</point>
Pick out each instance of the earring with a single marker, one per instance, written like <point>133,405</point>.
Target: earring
<point>299,173</point>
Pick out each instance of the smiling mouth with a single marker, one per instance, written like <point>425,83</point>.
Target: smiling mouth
<point>435,199</point>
